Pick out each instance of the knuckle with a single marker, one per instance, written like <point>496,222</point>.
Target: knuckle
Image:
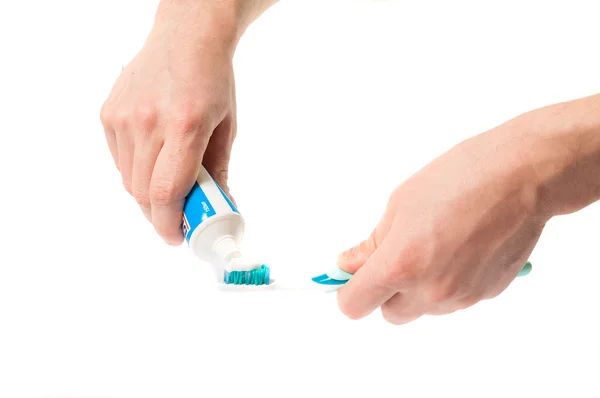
<point>403,273</point>
<point>396,275</point>
<point>411,263</point>
<point>120,121</point>
<point>105,114</point>
<point>141,198</point>
<point>438,293</point>
<point>404,269</point>
<point>146,117</point>
<point>163,194</point>
<point>185,119</point>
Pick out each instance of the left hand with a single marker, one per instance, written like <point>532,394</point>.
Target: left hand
<point>457,232</point>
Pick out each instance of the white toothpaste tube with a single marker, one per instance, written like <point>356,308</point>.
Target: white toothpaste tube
<point>213,227</point>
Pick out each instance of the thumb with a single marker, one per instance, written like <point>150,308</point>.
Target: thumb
<point>354,258</point>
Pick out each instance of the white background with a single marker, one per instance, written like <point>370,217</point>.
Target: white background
<point>339,102</point>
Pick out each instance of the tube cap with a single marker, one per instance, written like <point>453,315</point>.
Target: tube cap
<point>226,248</point>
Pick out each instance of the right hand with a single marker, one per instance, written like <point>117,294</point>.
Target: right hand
<point>457,232</point>
<point>171,110</point>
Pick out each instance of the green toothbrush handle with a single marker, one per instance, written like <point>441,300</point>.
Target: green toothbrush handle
<point>526,269</point>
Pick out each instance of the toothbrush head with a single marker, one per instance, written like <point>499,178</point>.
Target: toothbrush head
<point>257,276</point>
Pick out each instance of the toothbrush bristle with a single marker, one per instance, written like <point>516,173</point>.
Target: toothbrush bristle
<point>258,276</point>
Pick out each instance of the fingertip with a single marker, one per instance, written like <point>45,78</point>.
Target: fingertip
<point>170,238</point>
<point>167,222</point>
<point>345,304</point>
<point>351,260</point>
<point>400,310</point>
<point>368,288</point>
<point>174,241</point>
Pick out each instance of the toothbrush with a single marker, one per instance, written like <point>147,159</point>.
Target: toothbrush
<point>327,282</point>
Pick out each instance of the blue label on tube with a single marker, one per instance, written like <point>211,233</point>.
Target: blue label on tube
<point>197,208</point>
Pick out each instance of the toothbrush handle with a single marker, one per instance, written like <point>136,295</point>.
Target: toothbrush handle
<point>526,269</point>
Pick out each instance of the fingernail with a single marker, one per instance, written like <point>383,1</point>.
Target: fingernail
<point>347,255</point>
<point>351,260</point>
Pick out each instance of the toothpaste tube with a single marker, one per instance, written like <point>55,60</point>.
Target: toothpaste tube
<point>213,227</point>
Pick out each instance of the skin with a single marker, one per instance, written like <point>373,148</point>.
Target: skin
<point>455,233</point>
<point>459,230</point>
<point>173,107</point>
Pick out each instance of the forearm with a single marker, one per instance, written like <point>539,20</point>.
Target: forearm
<point>563,144</point>
<point>218,24</point>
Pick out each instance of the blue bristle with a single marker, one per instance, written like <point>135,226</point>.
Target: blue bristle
<point>258,276</point>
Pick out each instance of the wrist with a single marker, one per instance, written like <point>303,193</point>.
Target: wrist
<point>206,25</point>
<point>561,144</point>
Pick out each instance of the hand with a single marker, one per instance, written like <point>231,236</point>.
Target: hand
<point>171,110</point>
<point>457,232</point>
